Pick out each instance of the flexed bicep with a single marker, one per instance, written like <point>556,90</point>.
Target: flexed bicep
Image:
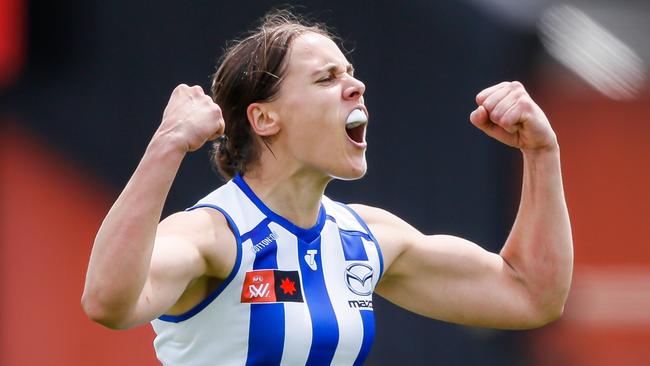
<point>193,250</point>
<point>452,279</point>
<point>448,278</point>
<point>175,263</point>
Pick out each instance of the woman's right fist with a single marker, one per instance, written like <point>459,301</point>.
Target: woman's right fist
<point>191,117</point>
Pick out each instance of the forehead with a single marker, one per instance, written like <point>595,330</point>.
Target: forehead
<point>311,51</point>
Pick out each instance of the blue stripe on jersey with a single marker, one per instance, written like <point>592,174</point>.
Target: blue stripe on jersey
<point>368,319</point>
<point>307,235</point>
<point>266,334</point>
<point>363,223</point>
<point>200,306</point>
<point>354,232</point>
<point>325,329</point>
<point>266,325</point>
<point>353,248</point>
<point>260,226</point>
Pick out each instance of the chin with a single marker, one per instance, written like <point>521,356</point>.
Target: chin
<point>352,172</point>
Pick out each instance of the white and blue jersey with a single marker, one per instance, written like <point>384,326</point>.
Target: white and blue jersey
<point>294,297</point>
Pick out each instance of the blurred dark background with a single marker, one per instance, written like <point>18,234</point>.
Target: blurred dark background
<point>84,90</point>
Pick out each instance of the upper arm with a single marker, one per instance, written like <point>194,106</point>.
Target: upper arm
<point>188,245</point>
<point>447,277</point>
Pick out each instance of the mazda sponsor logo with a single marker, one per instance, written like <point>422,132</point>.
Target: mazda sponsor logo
<point>360,303</point>
<point>358,277</point>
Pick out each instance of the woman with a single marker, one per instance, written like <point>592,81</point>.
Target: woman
<point>266,269</point>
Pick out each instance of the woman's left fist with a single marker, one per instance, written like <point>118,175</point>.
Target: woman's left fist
<point>508,114</point>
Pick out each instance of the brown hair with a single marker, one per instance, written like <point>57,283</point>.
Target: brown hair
<point>252,70</point>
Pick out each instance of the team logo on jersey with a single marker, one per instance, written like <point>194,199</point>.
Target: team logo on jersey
<point>358,277</point>
<point>271,285</point>
<point>310,258</point>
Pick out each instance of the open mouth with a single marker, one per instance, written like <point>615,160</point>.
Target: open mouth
<point>355,126</point>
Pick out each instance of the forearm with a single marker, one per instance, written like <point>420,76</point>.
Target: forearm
<point>539,248</point>
<point>121,254</point>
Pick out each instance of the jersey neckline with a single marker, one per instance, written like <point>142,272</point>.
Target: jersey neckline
<point>307,235</point>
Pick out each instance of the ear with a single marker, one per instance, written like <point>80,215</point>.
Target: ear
<point>263,120</point>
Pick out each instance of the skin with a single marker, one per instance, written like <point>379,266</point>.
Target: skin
<point>172,265</point>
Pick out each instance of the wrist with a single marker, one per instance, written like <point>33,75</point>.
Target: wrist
<point>168,143</point>
<point>542,158</point>
<point>550,149</point>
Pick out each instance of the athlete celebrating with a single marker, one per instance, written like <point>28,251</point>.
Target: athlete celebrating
<point>268,270</point>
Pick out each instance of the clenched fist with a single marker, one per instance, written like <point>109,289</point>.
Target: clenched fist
<point>191,117</point>
<point>507,113</point>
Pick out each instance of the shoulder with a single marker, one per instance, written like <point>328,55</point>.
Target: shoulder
<point>196,225</point>
<point>206,230</point>
<point>379,218</point>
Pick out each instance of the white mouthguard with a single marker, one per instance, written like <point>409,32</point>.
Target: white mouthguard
<point>357,117</point>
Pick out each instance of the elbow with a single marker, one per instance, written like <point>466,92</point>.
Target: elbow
<point>550,315</point>
<point>544,315</point>
<point>546,304</point>
<point>96,311</point>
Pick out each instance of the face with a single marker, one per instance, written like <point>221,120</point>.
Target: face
<point>316,98</point>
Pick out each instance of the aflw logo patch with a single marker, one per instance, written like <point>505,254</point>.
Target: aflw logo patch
<point>271,285</point>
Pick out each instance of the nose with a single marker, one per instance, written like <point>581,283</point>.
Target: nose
<point>354,89</point>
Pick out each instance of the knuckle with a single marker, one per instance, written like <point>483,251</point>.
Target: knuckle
<point>509,116</point>
<point>517,85</point>
<point>518,93</point>
<point>488,102</point>
<point>503,121</point>
<point>179,89</point>
<point>525,104</point>
<point>212,105</point>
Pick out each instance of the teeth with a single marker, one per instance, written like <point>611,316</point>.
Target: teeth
<point>351,125</point>
<point>355,119</point>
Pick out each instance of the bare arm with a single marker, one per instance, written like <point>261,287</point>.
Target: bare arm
<point>452,279</point>
<point>119,290</point>
<point>539,248</point>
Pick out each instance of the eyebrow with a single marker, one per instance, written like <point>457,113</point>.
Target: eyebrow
<point>331,67</point>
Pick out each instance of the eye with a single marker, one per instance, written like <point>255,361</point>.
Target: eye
<point>327,79</point>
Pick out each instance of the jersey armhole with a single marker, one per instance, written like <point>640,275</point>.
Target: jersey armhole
<point>374,239</point>
<point>205,302</point>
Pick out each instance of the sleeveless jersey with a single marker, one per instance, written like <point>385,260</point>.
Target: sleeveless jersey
<point>294,297</point>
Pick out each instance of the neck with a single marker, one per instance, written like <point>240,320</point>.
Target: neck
<point>291,193</point>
